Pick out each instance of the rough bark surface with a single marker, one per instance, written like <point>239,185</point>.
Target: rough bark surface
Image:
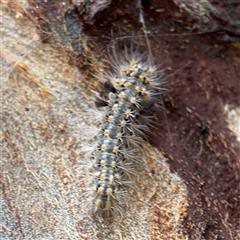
<point>53,54</point>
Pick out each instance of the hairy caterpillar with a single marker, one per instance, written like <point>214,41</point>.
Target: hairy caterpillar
<point>131,92</point>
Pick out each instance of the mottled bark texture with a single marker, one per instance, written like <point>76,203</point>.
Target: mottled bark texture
<point>53,54</point>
